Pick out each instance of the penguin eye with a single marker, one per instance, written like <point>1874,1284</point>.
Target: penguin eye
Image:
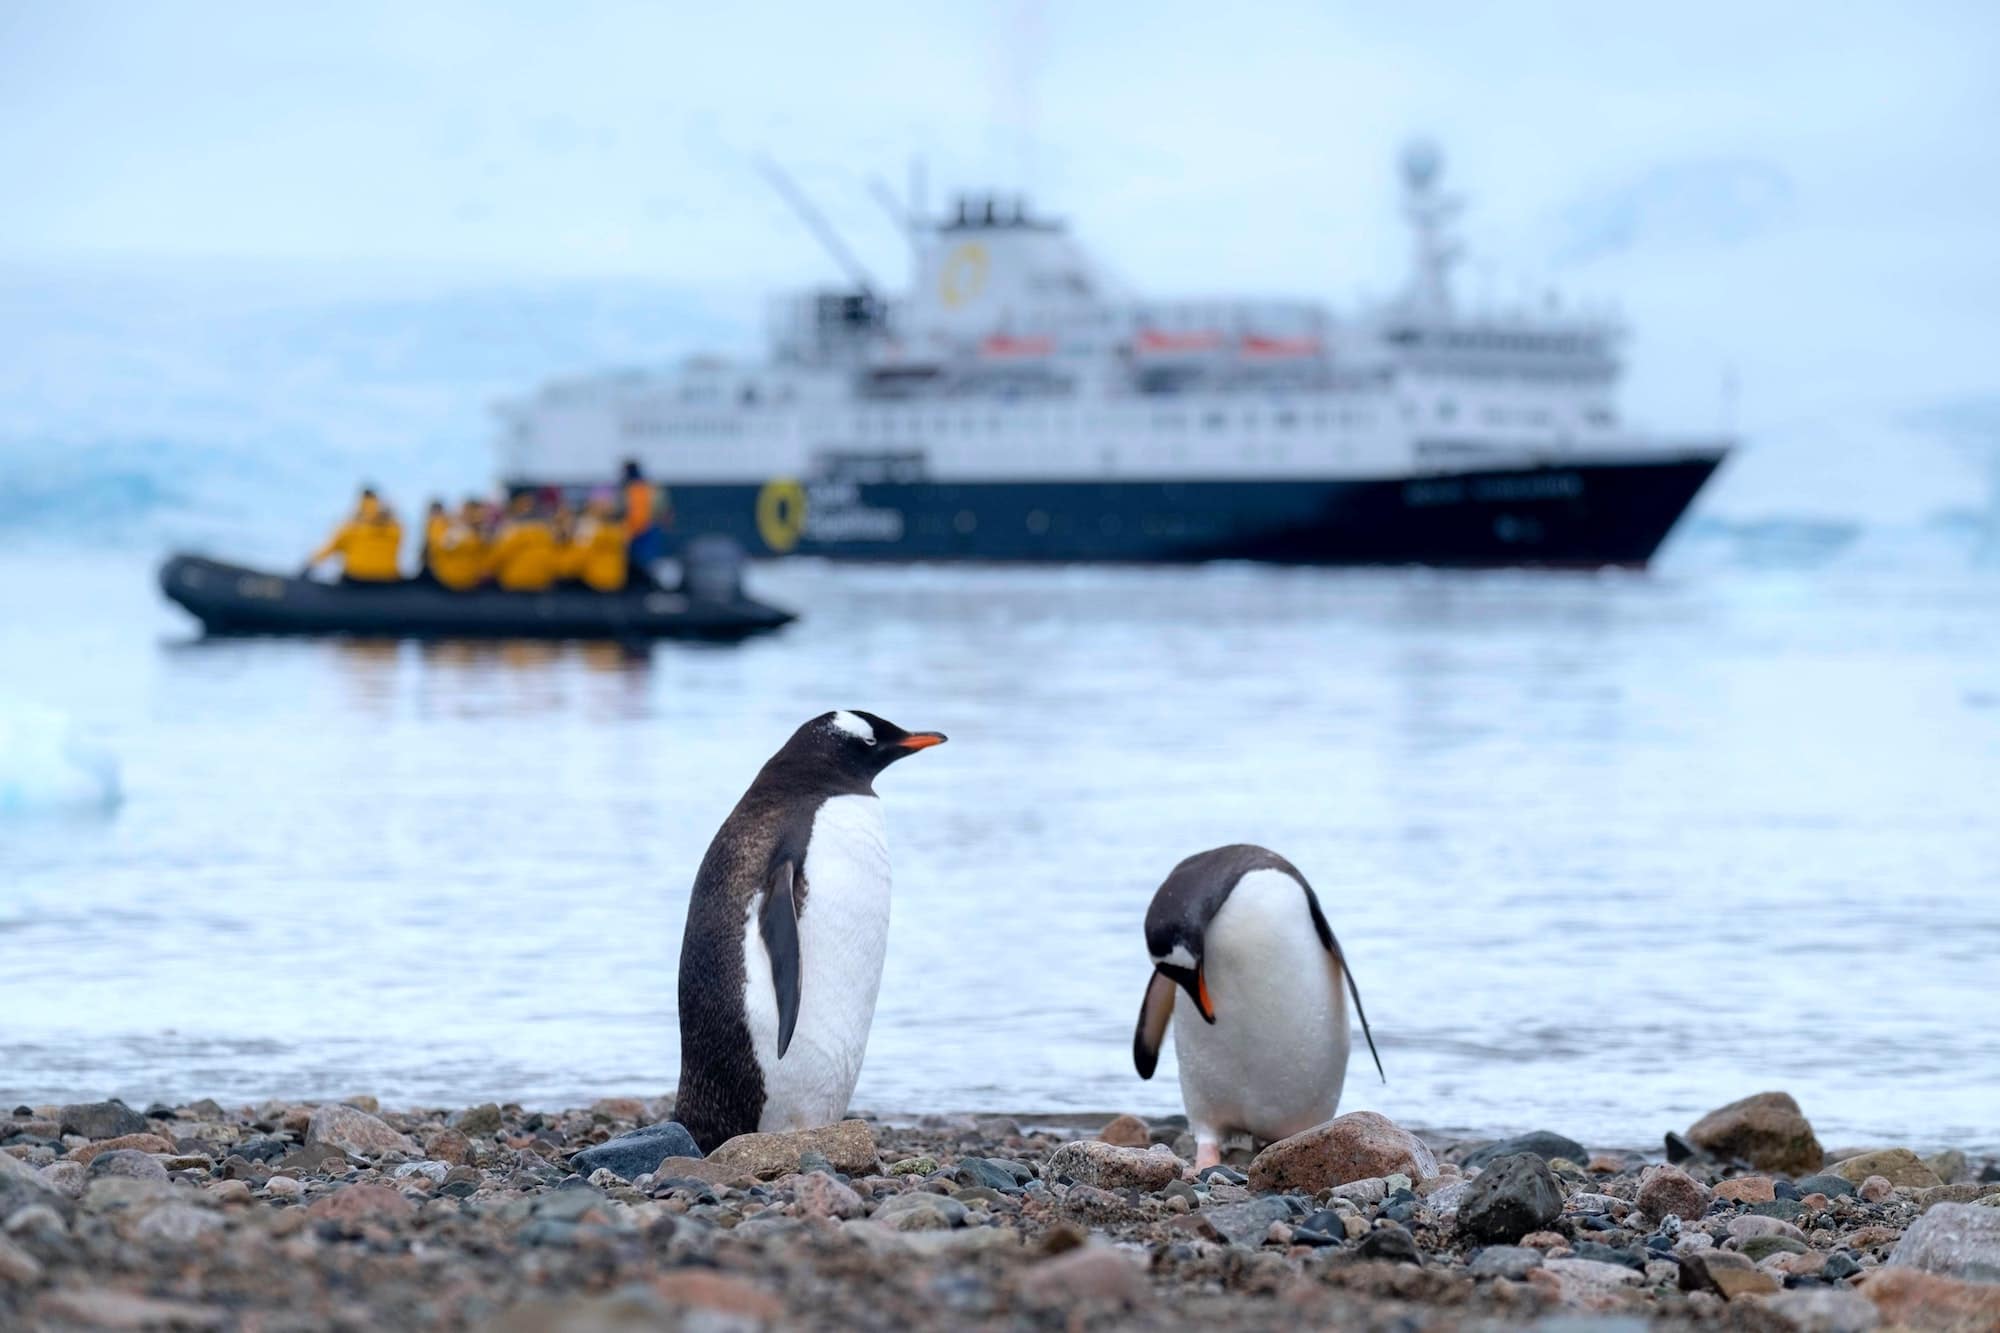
<point>870,740</point>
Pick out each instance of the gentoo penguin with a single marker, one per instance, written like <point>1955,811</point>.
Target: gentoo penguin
<point>786,929</point>
<point>1239,930</point>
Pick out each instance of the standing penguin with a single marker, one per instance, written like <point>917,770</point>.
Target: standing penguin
<point>786,929</point>
<point>1239,930</point>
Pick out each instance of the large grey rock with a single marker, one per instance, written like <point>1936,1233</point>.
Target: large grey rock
<point>633,1155</point>
<point>101,1120</point>
<point>1511,1197</point>
<point>1959,1240</point>
<point>1543,1143</point>
<point>1766,1130</point>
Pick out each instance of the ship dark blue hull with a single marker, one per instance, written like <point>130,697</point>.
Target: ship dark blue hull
<point>1575,516</point>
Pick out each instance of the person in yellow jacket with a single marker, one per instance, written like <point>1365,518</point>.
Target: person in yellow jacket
<point>596,555</point>
<point>524,555</point>
<point>369,544</point>
<point>458,554</point>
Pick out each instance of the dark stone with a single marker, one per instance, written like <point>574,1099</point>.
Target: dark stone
<point>1542,1143</point>
<point>1511,1197</point>
<point>1679,1149</point>
<point>1322,1228</point>
<point>161,1111</point>
<point>459,1189</point>
<point>1989,1173</point>
<point>1246,1223</point>
<point>811,1161</point>
<point>1832,1187</point>
<point>1785,1189</point>
<point>238,1167</point>
<point>101,1120</point>
<point>1788,1210</point>
<point>1839,1265</point>
<point>632,1155</point>
<point>986,1173</point>
<point>1400,1206</point>
<point>1597,1222</point>
<point>1659,1244</point>
<point>1227,1175</point>
<point>262,1149</point>
<point>1609,1254</point>
<point>1390,1242</point>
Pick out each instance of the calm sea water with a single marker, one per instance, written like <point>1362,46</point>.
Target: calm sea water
<point>1604,851</point>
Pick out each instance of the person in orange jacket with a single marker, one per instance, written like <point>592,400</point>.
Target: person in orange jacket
<point>647,517</point>
<point>369,544</point>
<point>460,554</point>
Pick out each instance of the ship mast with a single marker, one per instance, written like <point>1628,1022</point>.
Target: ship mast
<point>1430,212</point>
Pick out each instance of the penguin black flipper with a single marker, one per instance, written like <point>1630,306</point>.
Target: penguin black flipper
<point>1154,1011</point>
<point>778,923</point>
<point>1332,946</point>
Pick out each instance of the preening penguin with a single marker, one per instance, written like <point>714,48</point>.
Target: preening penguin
<point>1241,932</point>
<point>786,931</point>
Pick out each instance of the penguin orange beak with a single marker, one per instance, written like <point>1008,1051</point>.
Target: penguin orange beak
<point>1201,1000</point>
<point>922,740</point>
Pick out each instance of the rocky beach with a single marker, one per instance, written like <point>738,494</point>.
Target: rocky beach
<point>344,1215</point>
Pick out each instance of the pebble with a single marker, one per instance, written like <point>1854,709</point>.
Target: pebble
<point>633,1154</point>
<point>127,1162</point>
<point>1668,1191</point>
<point>1509,1261</point>
<point>352,1130</point>
<point>1875,1189</point>
<point>914,1166</point>
<point>478,1121</point>
<point>1724,1274</point>
<point>1824,1310</point>
<point>1355,1146</point>
<point>1747,1189</point>
<point>1830,1185</point>
<point>1543,1143</point>
<point>283,1187</point>
<point>849,1146</point>
<point>1912,1298</point>
<point>1511,1197</point>
<point>1110,1167</point>
<point>920,1211</point>
<point>1127,1131</point>
<point>1246,1223</point>
<point>1089,1275</point>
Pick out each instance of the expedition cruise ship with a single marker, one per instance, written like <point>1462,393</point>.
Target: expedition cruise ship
<point>1017,405</point>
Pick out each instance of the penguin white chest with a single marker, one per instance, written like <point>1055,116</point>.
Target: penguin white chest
<point>843,937</point>
<point>1273,1061</point>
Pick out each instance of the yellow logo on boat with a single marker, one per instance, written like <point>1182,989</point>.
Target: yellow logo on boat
<point>781,513</point>
<point>963,275</point>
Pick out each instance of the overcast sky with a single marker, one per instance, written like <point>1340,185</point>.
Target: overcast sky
<point>1805,194</point>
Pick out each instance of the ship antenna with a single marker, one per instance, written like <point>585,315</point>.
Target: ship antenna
<point>817,224</point>
<point>1430,212</point>
<point>905,218</point>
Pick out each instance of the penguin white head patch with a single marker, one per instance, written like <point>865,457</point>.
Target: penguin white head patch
<point>854,726</point>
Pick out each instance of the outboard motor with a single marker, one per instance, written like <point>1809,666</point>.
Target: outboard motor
<point>712,569</point>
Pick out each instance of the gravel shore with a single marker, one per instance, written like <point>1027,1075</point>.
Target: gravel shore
<point>341,1215</point>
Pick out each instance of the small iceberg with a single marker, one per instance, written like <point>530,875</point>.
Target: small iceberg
<point>46,765</point>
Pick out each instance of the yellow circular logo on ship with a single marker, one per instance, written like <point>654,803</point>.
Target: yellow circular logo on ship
<point>781,514</point>
<point>963,276</point>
